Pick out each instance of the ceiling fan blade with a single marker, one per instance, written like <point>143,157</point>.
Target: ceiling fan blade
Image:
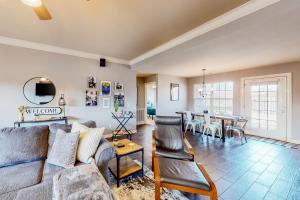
<point>42,12</point>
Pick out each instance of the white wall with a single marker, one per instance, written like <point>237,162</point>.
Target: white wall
<point>69,74</point>
<point>164,105</point>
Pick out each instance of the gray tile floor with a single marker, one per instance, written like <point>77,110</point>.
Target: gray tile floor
<point>252,171</point>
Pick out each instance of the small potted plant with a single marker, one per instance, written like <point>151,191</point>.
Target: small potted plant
<point>116,105</point>
<point>117,108</point>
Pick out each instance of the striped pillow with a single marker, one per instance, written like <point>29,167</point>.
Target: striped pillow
<point>89,141</point>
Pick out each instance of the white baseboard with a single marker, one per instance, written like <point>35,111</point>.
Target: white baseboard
<point>293,141</point>
<point>140,123</point>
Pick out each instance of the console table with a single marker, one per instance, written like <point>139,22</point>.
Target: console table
<point>60,119</point>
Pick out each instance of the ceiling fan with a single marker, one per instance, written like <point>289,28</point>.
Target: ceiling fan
<point>39,8</point>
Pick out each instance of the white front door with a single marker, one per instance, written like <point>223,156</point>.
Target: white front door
<point>265,105</point>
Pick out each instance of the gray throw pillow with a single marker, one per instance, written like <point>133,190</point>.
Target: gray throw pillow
<point>63,152</point>
<point>53,130</point>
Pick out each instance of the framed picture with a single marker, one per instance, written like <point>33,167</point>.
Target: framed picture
<point>91,97</point>
<point>106,102</point>
<point>174,92</point>
<point>92,82</point>
<point>105,88</point>
<point>119,98</point>
<point>119,86</point>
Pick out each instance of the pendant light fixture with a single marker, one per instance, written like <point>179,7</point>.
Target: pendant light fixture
<point>203,91</point>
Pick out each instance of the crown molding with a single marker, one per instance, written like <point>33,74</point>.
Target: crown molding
<point>59,50</point>
<point>228,17</point>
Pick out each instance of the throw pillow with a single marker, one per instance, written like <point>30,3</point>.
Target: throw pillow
<point>88,142</point>
<point>63,152</point>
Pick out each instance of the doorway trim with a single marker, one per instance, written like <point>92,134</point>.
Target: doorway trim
<point>289,100</point>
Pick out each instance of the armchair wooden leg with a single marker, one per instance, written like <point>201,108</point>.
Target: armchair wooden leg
<point>214,196</point>
<point>157,190</point>
<point>152,163</point>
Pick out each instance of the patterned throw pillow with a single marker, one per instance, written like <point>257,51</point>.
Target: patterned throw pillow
<point>89,141</point>
<point>63,152</point>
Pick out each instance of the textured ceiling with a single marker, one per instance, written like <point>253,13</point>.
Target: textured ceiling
<point>268,36</point>
<point>118,28</point>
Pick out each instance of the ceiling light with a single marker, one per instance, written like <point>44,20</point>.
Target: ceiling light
<point>32,3</point>
<point>203,91</point>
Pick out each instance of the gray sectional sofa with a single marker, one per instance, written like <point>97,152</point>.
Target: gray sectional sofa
<point>24,174</point>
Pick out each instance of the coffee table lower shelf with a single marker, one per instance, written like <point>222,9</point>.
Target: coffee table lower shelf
<point>126,167</point>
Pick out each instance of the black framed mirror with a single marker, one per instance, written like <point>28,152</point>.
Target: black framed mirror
<point>39,90</point>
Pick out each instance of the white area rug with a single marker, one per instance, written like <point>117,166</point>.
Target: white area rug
<point>137,187</point>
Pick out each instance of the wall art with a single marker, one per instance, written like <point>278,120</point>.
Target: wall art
<point>105,88</point>
<point>119,86</point>
<point>91,98</point>
<point>106,102</point>
<point>174,92</point>
<point>119,98</point>
<point>92,82</point>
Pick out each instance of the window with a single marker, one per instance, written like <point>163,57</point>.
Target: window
<point>219,99</point>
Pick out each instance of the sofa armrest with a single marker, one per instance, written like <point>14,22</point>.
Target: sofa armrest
<point>104,154</point>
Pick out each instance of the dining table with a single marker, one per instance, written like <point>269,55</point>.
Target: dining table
<point>220,117</point>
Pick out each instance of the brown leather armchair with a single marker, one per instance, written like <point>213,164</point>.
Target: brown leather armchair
<point>169,141</point>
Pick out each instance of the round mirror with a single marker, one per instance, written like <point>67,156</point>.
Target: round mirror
<point>39,90</point>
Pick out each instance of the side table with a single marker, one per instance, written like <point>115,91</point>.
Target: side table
<point>123,166</point>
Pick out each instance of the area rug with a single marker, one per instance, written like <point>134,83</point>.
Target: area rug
<point>136,187</point>
<point>273,141</point>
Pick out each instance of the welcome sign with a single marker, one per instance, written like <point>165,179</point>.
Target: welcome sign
<point>36,111</point>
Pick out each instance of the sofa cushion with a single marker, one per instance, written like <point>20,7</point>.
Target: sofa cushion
<point>19,145</point>
<point>50,170</point>
<point>9,196</point>
<point>90,124</point>
<point>20,176</point>
<point>63,152</point>
<point>42,191</point>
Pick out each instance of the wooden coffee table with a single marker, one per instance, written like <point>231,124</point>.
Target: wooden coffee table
<point>122,168</point>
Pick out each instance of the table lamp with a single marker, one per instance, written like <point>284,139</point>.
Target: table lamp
<point>62,102</point>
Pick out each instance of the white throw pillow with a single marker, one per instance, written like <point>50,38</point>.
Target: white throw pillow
<point>88,142</point>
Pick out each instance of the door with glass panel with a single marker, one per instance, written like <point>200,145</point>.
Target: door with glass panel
<point>265,105</point>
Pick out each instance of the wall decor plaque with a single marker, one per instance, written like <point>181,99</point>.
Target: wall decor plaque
<point>36,111</point>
